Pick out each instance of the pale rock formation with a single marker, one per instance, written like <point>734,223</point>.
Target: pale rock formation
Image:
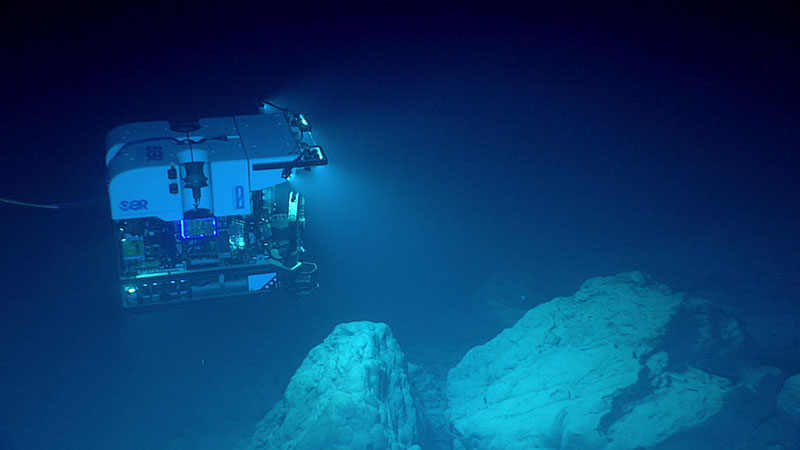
<point>679,401</point>
<point>351,391</point>
<point>789,399</point>
<point>568,375</point>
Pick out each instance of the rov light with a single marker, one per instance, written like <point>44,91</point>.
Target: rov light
<point>299,122</point>
<point>130,290</point>
<point>311,153</point>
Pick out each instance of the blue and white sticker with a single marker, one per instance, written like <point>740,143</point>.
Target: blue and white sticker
<point>238,197</point>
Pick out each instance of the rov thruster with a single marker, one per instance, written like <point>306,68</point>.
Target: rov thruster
<point>204,209</point>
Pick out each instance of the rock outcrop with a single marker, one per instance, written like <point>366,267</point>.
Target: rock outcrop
<point>679,401</point>
<point>351,391</point>
<point>789,399</point>
<point>581,372</point>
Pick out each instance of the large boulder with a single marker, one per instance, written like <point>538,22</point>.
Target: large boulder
<point>789,399</point>
<point>581,372</point>
<point>351,391</point>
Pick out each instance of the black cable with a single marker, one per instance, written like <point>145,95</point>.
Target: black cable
<point>77,204</point>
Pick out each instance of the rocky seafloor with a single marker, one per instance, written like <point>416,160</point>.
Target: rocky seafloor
<point>623,363</point>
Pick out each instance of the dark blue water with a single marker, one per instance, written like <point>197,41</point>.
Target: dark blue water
<point>562,142</point>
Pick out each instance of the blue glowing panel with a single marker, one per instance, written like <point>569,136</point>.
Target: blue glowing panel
<point>198,228</point>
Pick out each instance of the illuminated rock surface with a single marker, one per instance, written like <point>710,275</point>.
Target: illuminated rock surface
<point>679,401</point>
<point>789,398</point>
<point>351,391</point>
<point>581,372</point>
<point>623,363</point>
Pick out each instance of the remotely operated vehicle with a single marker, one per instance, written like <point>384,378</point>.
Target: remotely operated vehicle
<point>204,209</point>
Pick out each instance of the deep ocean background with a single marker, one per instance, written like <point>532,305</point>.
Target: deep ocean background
<point>553,142</point>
